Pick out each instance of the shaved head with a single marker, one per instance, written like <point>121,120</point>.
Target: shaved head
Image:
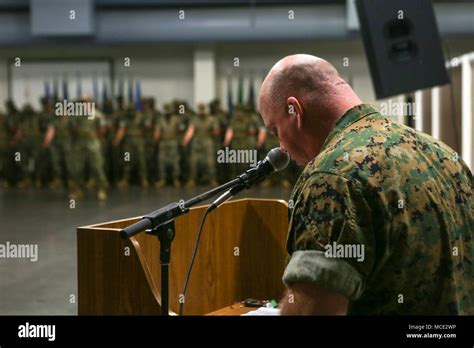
<point>303,76</point>
<point>310,89</point>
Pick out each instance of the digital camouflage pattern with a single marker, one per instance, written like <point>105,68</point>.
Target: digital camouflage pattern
<point>403,195</point>
<point>134,144</point>
<point>202,146</point>
<point>86,149</point>
<point>169,125</point>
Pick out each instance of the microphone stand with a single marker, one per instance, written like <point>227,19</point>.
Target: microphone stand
<point>162,226</point>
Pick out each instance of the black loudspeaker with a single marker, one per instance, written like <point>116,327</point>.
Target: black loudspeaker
<point>402,44</point>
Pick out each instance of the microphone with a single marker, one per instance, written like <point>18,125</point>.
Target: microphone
<point>275,161</point>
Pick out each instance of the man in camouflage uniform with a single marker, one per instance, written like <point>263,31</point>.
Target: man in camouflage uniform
<point>203,129</point>
<point>381,219</point>
<point>107,138</point>
<point>167,134</point>
<point>42,130</point>
<point>87,150</point>
<point>9,165</point>
<point>131,131</point>
<point>3,151</point>
<point>222,169</point>
<point>182,109</point>
<point>151,149</point>
<point>245,132</point>
<point>26,135</point>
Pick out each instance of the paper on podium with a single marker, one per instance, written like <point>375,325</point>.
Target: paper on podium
<point>264,311</point>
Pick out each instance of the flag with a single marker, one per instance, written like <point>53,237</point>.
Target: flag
<point>240,93</point>
<point>78,87</point>
<point>138,96</point>
<point>55,89</point>
<point>230,106</point>
<point>121,87</point>
<point>105,95</point>
<point>251,100</point>
<point>130,91</point>
<point>65,89</point>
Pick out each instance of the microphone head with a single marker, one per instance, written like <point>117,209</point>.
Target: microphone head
<point>278,159</point>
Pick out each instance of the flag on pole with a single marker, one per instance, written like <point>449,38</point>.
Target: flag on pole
<point>95,90</point>
<point>230,106</point>
<point>65,89</point>
<point>130,91</point>
<point>138,96</point>
<point>251,100</point>
<point>105,95</point>
<point>55,89</point>
<point>240,92</point>
<point>47,90</point>
<point>121,87</point>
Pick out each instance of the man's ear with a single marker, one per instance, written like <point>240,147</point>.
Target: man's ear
<point>295,110</point>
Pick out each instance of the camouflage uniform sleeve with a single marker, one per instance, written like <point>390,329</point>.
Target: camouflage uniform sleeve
<point>330,213</point>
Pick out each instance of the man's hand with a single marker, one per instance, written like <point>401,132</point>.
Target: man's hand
<point>309,299</point>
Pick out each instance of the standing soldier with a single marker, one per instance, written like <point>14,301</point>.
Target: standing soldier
<point>167,132</point>
<point>116,149</point>
<point>245,132</point>
<point>106,139</point>
<point>131,131</point>
<point>61,150</point>
<point>26,135</point>
<point>9,162</point>
<point>223,121</point>
<point>47,120</point>
<point>203,128</point>
<point>151,149</point>
<point>87,149</point>
<point>184,112</point>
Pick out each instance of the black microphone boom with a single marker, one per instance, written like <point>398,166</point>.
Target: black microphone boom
<point>275,161</point>
<point>161,222</point>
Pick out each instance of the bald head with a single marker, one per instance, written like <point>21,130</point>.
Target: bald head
<point>310,89</point>
<point>303,76</point>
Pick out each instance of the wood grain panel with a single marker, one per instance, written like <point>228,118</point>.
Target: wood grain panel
<point>241,254</point>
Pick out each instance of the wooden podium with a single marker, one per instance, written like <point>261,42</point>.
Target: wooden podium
<point>241,255</point>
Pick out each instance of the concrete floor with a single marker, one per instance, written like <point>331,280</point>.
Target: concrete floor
<point>44,217</point>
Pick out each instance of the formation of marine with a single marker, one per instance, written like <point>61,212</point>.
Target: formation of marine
<point>125,145</point>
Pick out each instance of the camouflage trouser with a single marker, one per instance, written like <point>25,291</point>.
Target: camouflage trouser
<point>184,161</point>
<point>168,157</point>
<point>61,152</point>
<point>151,153</point>
<point>202,151</point>
<point>9,166</point>
<point>3,161</point>
<point>88,151</point>
<point>135,148</point>
<point>42,165</point>
<point>22,159</point>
